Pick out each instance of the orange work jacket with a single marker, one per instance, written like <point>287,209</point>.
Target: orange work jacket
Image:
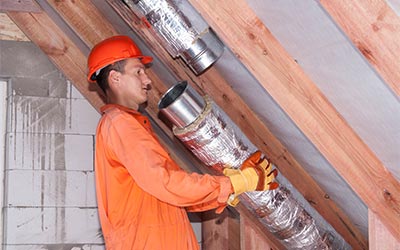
<point>142,194</point>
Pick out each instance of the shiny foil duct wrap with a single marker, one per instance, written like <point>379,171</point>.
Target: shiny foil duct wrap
<point>181,31</point>
<point>218,142</point>
<point>214,142</point>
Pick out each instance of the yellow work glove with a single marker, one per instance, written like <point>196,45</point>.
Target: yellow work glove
<point>255,174</point>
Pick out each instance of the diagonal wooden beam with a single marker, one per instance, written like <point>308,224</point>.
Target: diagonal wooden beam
<point>214,84</point>
<point>20,5</point>
<point>285,81</point>
<point>41,30</point>
<point>374,28</point>
<point>10,31</point>
<point>379,236</point>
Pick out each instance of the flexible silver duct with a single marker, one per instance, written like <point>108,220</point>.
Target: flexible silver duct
<point>187,36</point>
<point>217,142</point>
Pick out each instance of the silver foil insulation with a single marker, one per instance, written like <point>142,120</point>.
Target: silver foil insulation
<point>185,35</point>
<point>218,142</point>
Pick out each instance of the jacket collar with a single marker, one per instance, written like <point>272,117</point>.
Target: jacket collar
<point>106,107</point>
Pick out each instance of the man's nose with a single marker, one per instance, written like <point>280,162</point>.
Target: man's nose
<point>146,80</point>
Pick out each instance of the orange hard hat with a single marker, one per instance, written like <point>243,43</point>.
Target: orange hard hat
<point>111,50</point>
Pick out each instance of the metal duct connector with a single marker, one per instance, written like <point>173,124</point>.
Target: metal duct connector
<point>217,142</point>
<point>187,36</point>
<point>181,105</point>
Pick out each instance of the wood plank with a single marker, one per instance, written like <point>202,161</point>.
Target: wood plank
<point>220,231</point>
<point>285,81</point>
<point>83,17</point>
<point>9,31</point>
<point>374,28</point>
<point>61,51</point>
<point>251,238</point>
<point>379,237</point>
<point>212,83</point>
<point>20,5</point>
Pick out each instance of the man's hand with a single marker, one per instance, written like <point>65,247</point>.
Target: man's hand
<point>255,174</point>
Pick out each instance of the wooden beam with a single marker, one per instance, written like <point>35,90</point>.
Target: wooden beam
<point>9,31</point>
<point>61,51</point>
<point>20,5</point>
<point>379,237</point>
<point>214,84</point>
<point>84,18</point>
<point>220,232</point>
<point>251,238</point>
<point>285,81</point>
<point>374,28</point>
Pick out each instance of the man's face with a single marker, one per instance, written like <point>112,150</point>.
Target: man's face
<point>135,83</point>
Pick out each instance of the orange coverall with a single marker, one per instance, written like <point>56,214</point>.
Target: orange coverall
<point>142,194</point>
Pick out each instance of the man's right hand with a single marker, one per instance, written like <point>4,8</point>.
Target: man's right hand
<point>255,174</point>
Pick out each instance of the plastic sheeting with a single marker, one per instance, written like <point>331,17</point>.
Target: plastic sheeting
<point>217,142</point>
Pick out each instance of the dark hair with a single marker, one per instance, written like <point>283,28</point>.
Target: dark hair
<point>102,77</point>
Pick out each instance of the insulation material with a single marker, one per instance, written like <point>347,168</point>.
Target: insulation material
<point>187,36</point>
<point>217,142</point>
<point>176,32</point>
<point>213,141</point>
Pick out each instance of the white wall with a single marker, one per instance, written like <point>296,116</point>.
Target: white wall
<point>49,189</point>
<point>3,113</point>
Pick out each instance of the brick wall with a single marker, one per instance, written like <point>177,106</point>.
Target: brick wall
<point>49,180</point>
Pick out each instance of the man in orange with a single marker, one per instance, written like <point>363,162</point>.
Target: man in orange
<point>142,194</point>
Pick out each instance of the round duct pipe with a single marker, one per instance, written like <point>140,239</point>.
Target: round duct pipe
<point>181,31</point>
<point>181,104</point>
<point>215,140</point>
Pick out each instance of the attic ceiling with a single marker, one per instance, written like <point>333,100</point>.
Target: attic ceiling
<point>313,84</point>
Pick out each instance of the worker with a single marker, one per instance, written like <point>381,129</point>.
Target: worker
<point>143,196</point>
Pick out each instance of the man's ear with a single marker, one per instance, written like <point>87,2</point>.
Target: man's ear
<point>114,77</point>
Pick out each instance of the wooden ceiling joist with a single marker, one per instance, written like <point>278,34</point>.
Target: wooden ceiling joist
<point>20,5</point>
<point>10,31</point>
<point>285,81</point>
<point>374,28</point>
<point>41,30</point>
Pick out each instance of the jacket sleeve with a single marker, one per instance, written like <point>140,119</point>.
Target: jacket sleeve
<point>156,173</point>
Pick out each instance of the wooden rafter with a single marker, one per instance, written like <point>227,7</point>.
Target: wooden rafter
<point>374,28</point>
<point>278,73</point>
<point>41,30</point>
<point>10,31</point>
<point>379,236</point>
<point>20,5</point>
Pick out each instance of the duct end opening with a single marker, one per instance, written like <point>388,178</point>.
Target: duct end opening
<point>181,104</point>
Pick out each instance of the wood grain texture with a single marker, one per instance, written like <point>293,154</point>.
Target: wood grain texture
<point>9,31</point>
<point>41,30</point>
<point>19,5</point>
<point>220,231</point>
<point>379,237</point>
<point>374,28</point>
<point>285,81</point>
<point>251,238</point>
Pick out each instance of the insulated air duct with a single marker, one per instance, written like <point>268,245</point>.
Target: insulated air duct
<point>207,131</point>
<point>187,36</point>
